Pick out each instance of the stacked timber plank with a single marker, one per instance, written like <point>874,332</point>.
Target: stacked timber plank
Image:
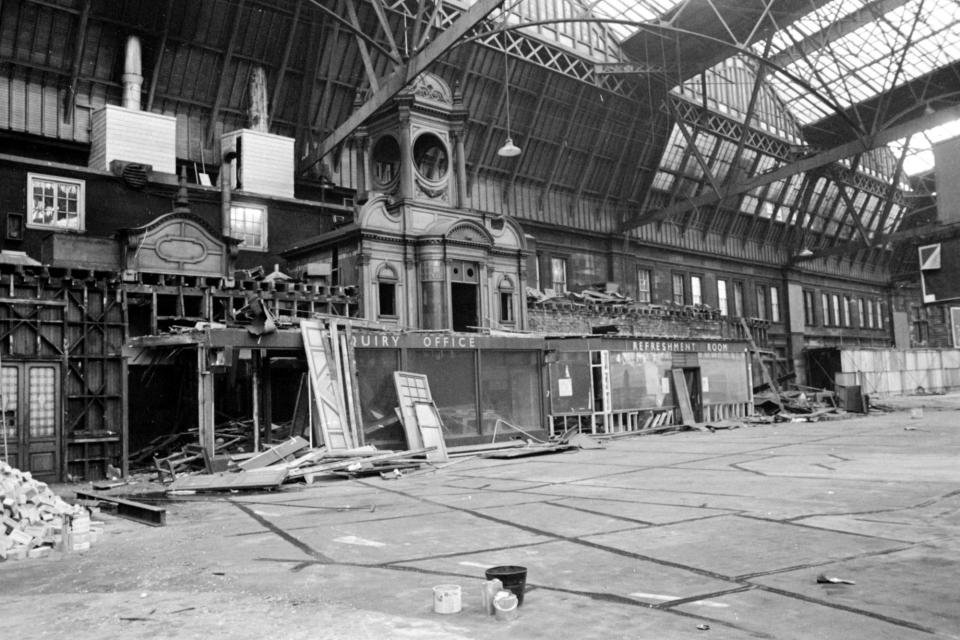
<point>295,460</point>
<point>34,520</point>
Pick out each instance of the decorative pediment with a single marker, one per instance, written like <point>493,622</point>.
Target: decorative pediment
<point>469,232</point>
<point>430,88</point>
<point>178,243</point>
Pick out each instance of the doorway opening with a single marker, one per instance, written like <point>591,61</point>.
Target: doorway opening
<point>464,296</point>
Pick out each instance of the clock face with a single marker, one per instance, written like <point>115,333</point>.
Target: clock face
<point>386,161</point>
<point>430,157</point>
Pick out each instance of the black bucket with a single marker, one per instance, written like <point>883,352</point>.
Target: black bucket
<point>514,579</point>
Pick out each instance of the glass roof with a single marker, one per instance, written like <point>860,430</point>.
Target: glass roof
<point>851,58</point>
<point>563,22</point>
<point>632,10</point>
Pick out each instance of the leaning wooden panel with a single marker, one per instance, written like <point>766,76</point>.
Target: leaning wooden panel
<point>431,429</point>
<point>411,388</point>
<point>336,435</point>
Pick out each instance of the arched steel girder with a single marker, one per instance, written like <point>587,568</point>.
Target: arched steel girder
<point>489,38</point>
<point>396,80</point>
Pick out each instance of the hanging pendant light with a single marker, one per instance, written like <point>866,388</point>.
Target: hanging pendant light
<point>508,150</point>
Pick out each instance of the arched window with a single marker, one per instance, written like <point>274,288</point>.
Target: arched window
<point>387,292</point>
<point>505,289</point>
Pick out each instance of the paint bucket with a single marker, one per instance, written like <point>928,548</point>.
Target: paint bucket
<point>514,579</point>
<point>505,605</point>
<point>446,598</point>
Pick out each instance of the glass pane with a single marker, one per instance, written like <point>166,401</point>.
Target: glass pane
<point>9,383</point>
<point>726,376</point>
<point>453,383</point>
<point>41,389</point>
<point>635,380</point>
<point>378,397</point>
<point>510,391</point>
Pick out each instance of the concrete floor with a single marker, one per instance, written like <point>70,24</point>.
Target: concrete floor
<point>653,537</point>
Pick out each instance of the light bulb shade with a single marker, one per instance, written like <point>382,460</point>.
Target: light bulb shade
<point>508,150</point>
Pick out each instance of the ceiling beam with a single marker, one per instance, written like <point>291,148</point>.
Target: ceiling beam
<point>401,77</point>
<point>161,49</point>
<point>861,145</point>
<point>79,45</point>
<point>834,31</point>
<point>926,233</point>
<point>225,77</point>
<point>358,32</point>
<point>362,47</point>
<point>278,84</point>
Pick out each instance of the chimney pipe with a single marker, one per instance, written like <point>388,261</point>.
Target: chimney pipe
<point>132,78</point>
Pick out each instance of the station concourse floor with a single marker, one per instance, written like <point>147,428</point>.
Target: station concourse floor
<point>688,535</point>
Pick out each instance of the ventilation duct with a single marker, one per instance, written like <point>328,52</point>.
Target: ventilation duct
<point>132,76</point>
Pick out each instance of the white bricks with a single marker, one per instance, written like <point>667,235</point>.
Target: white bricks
<point>34,520</point>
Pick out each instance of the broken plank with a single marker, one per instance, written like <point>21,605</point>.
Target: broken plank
<point>129,509</point>
<point>343,464</point>
<point>532,450</point>
<point>274,454</point>
<point>266,478</point>
<point>482,448</point>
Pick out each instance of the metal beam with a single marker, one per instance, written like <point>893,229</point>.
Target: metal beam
<point>362,46</point>
<point>224,75</point>
<point>308,87</point>
<point>835,154</point>
<point>278,85</point>
<point>79,45</point>
<point>926,233</point>
<point>401,77</point>
<point>359,33</point>
<point>159,59</point>
<point>385,25</point>
<point>835,30</point>
<point>558,156</point>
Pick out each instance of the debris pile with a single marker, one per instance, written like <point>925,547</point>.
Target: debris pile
<point>35,520</point>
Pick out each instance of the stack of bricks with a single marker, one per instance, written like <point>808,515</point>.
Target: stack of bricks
<point>34,520</point>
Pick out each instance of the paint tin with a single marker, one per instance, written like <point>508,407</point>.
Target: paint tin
<point>446,598</point>
<point>505,606</point>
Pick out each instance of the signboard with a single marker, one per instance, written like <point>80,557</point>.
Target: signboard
<point>940,271</point>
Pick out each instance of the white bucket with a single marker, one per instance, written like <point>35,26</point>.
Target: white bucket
<point>446,598</point>
<point>505,606</point>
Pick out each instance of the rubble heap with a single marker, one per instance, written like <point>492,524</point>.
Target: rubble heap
<point>34,520</point>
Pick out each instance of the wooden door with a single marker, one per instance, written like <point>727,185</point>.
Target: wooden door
<point>31,409</point>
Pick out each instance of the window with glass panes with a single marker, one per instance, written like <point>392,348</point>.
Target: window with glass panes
<point>722,296</point>
<point>505,290</point>
<point>643,285</point>
<point>55,202</point>
<point>861,315</point>
<point>846,311</point>
<point>738,299</point>
<point>809,309</point>
<point>558,273</point>
<point>825,309</point>
<point>678,297</point>
<point>835,307</point>
<point>761,302</point>
<point>774,304</point>
<point>696,290</point>
<point>248,223</point>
